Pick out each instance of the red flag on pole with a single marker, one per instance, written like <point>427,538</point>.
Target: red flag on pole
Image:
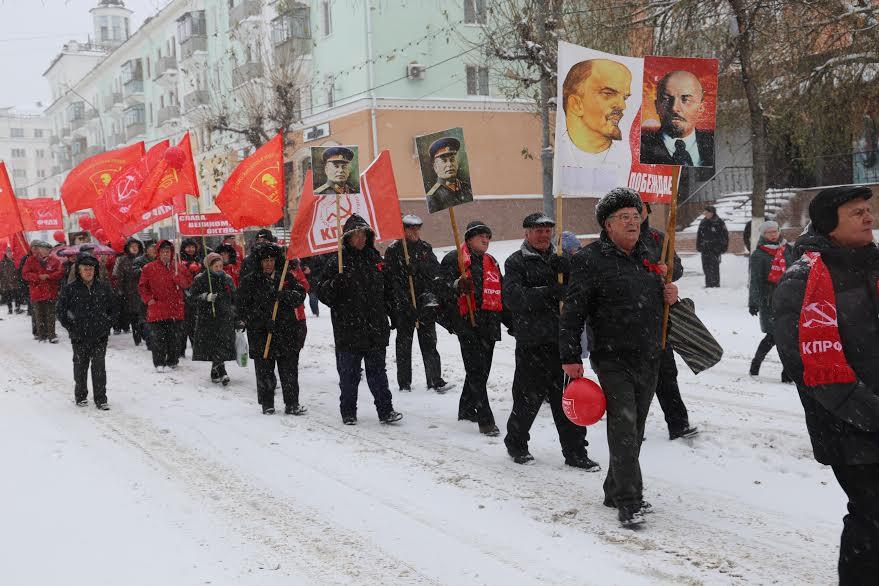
<point>10,220</point>
<point>254,193</point>
<point>18,245</point>
<point>171,178</point>
<point>314,228</point>
<point>40,213</point>
<point>89,179</point>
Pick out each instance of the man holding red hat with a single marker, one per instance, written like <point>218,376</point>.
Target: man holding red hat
<point>827,331</point>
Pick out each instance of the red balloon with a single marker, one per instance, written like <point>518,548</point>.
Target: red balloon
<point>583,402</point>
<point>175,157</point>
<point>59,236</point>
<point>85,222</point>
<point>101,235</point>
<point>194,268</point>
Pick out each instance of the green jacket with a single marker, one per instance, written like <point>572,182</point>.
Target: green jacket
<point>760,290</point>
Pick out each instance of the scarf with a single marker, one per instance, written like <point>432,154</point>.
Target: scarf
<point>824,362</point>
<point>491,283</point>
<point>779,263</point>
<point>300,276</point>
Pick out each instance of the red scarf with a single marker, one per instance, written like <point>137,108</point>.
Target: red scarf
<point>824,362</point>
<point>779,263</point>
<point>491,283</point>
<point>300,276</point>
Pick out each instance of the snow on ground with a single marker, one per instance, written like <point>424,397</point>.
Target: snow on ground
<point>187,483</point>
<point>735,208</point>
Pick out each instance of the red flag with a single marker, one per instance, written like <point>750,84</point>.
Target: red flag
<point>89,179</point>
<point>113,207</point>
<point>254,193</point>
<point>315,225</point>
<point>172,178</point>
<point>42,213</point>
<point>18,245</point>
<point>10,221</point>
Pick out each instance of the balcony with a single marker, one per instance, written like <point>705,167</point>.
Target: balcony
<point>76,123</point>
<point>112,100</point>
<point>134,129</point>
<point>292,48</point>
<point>245,9</point>
<point>54,140</point>
<point>166,71</point>
<point>246,72</point>
<point>193,100</point>
<point>132,92</point>
<point>167,114</point>
<point>193,45</point>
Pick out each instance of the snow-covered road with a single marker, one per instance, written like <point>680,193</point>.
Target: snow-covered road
<point>186,483</point>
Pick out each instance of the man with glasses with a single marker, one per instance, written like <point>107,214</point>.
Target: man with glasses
<point>827,331</point>
<point>618,293</point>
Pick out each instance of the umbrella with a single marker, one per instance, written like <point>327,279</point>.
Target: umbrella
<point>89,248</point>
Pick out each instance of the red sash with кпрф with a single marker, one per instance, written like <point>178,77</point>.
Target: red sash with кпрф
<point>491,283</point>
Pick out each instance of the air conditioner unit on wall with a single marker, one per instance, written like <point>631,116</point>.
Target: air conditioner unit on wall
<point>415,71</point>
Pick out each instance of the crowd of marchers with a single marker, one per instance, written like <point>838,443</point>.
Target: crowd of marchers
<point>817,299</point>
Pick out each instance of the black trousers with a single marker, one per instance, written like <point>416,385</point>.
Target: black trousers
<point>165,343</point>
<point>313,302</point>
<point>85,354</point>
<point>44,316</point>
<point>427,343</point>
<point>859,545</point>
<point>218,369</point>
<point>267,382</point>
<point>669,394</point>
<point>374,363</point>
<point>628,384</point>
<point>538,375</point>
<point>187,328</point>
<point>763,348</point>
<point>711,268</point>
<point>476,353</point>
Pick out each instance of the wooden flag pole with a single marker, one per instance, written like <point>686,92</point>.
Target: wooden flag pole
<point>559,223</point>
<point>668,246</point>
<point>461,262</point>
<point>265,352</point>
<point>409,275</point>
<point>339,231</point>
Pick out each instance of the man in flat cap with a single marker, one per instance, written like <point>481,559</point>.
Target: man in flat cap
<point>422,268</point>
<point>827,331</point>
<point>532,293</point>
<point>449,189</point>
<point>337,167</point>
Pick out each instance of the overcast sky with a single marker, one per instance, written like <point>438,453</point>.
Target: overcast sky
<point>31,35</point>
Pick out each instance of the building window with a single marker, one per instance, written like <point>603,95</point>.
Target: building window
<point>18,153</point>
<point>326,17</point>
<point>103,29</point>
<point>192,24</point>
<point>16,132</point>
<point>41,173</point>
<point>477,80</point>
<point>38,133</point>
<point>474,11</point>
<point>117,28</point>
<point>19,173</point>
<point>41,153</point>
<point>42,192</point>
<point>135,115</point>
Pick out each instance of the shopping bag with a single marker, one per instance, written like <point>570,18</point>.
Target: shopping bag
<point>242,350</point>
<point>690,338</point>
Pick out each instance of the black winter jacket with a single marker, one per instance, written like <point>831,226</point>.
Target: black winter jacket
<point>760,290</point>
<point>712,236</point>
<point>214,338</point>
<point>87,313</point>
<point>128,277</point>
<point>532,294</point>
<point>617,297</point>
<point>424,267</point>
<point>360,297</point>
<point>653,241</point>
<point>488,323</point>
<point>843,419</point>
<point>256,300</point>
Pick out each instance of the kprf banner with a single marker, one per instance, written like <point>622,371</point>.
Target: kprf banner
<point>204,225</point>
<point>599,130</point>
<point>43,213</point>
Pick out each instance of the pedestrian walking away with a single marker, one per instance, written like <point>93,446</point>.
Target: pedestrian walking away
<point>827,330</point>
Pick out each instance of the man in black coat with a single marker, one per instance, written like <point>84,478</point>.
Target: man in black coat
<point>479,289</point>
<point>829,345</point>
<point>256,302</point>
<point>618,294</point>
<point>532,293</point>
<point>712,240</point>
<point>127,277</point>
<point>360,300</point>
<point>250,264</point>
<point>88,308</point>
<point>422,268</point>
<point>667,390</point>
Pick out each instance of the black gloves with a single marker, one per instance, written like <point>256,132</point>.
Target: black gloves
<point>560,264</point>
<point>753,310</point>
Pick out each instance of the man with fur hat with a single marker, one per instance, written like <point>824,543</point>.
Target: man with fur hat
<point>256,303</point>
<point>618,293</point>
<point>827,331</point>
<point>360,301</point>
<point>421,268</point>
<point>162,285</point>
<point>532,292</point>
<point>712,240</point>
<point>43,273</point>
<point>479,289</point>
<point>87,308</point>
<point>768,263</point>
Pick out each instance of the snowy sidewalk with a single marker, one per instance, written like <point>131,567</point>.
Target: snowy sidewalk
<point>186,483</point>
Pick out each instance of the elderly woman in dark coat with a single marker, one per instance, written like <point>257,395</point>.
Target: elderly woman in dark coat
<point>213,297</point>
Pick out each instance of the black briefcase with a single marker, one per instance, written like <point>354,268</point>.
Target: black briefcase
<point>690,338</point>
